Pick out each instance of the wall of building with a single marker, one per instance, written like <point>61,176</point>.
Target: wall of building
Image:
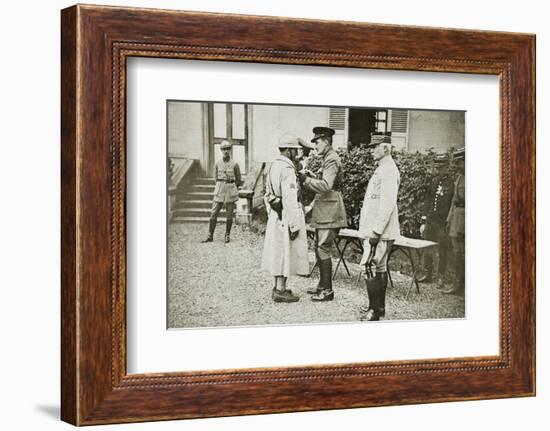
<point>268,123</point>
<point>439,130</point>
<point>185,129</point>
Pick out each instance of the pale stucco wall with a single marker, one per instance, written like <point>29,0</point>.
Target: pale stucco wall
<point>268,123</point>
<point>185,129</point>
<point>439,130</point>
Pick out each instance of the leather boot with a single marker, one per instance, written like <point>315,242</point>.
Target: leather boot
<point>211,229</point>
<point>284,296</point>
<point>228,224</point>
<point>382,292</point>
<point>326,293</point>
<point>372,311</point>
<point>317,289</point>
<point>368,283</point>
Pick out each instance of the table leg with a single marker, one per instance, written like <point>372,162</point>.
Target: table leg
<point>409,256</point>
<point>341,258</point>
<point>414,279</point>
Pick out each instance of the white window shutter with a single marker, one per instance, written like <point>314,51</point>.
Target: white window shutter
<point>399,120</point>
<point>337,118</point>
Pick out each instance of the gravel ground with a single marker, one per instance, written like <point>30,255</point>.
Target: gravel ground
<point>218,284</point>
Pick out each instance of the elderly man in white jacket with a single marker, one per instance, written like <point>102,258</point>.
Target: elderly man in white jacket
<point>285,246</point>
<point>379,225</point>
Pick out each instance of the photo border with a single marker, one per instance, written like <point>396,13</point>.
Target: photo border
<point>95,42</point>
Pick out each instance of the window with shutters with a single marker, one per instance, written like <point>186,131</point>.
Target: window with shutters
<point>399,120</point>
<point>337,118</point>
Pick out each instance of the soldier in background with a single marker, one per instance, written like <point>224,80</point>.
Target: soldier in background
<point>285,245</point>
<point>434,223</point>
<point>328,212</point>
<point>379,225</point>
<point>228,179</point>
<point>456,225</point>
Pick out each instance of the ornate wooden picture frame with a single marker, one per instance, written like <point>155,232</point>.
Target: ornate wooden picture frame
<point>96,42</point>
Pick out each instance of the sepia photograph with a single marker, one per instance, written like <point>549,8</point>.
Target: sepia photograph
<point>299,214</point>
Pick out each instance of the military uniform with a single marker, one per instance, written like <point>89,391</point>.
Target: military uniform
<point>456,229</point>
<point>379,225</point>
<point>436,210</point>
<point>285,246</point>
<point>281,256</point>
<point>228,178</point>
<point>328,213</point>
<point>379,213</point>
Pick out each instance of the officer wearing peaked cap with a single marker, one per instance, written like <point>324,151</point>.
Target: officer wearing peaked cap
<point>379,225</point>
<point>328,212</point>
<point>228,178</point>
<point>285,245</point>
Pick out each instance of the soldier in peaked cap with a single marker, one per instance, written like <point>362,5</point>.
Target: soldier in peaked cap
<point>328,213</point>
<point>228,178</point>
<point>285,245</point>
<point>379,225</point>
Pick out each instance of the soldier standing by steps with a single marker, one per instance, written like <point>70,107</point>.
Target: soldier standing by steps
<point>228,179</point>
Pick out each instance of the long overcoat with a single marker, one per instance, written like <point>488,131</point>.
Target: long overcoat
<point>281,255</point>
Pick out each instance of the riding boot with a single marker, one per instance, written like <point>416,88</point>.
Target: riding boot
<point>317,289</point>
<point>228,224</point>
<point>326,293</point>
<point>371,312</point>
<point>383,284</point>
<point>211,229</point>
<point>370,294</point>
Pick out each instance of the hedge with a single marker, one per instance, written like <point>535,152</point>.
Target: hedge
<point>418,177</point>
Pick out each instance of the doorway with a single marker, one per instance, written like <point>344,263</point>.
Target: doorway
<point>228,122</point>
<point>363,123</point>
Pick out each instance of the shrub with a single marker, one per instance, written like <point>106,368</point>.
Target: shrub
<point>418,175</point>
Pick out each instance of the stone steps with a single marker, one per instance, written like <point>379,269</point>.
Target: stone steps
<point>194,203</point>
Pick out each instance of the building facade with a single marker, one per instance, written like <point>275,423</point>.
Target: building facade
<point>196,129</point>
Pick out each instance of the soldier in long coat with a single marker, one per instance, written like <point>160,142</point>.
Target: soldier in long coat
<point>379,225</point>
<point>228,179</point>
<point>328,213</point>
<point>285,246</point>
